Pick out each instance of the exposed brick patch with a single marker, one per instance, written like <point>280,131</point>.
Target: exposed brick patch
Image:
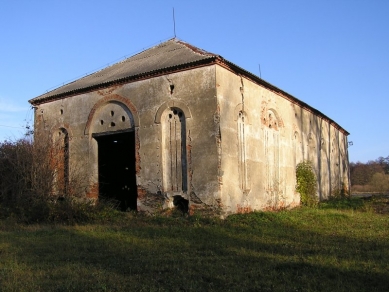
<point>282,206</point>
<point>272,120</point>
<point>93,191</point>
<point>150,202</point>
<point>193,209</point>
<point>189,160</point>
<point>218,137</point>
<point>263,112</point>
<point>141,193</point>
<point>137,152</point>
<point>196,205</point>
<point>242,210</point>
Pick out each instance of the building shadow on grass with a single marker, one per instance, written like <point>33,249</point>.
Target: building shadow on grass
<point>222,257</point>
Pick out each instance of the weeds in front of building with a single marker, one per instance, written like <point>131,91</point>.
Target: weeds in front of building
<point>37,184</point>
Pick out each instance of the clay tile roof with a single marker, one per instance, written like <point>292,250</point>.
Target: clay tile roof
<point>166,56</point>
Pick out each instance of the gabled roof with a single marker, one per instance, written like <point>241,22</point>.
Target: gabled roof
<point>168,57</point>
<point>165,57</point>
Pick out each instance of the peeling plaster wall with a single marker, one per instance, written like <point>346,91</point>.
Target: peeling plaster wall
<point>243,141</point>
<point>139,102</point>
<point>278,134</point>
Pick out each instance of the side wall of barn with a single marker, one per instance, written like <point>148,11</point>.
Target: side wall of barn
<point>263,136</point>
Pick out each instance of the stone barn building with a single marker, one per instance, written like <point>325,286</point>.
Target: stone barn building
<point>175,124</point>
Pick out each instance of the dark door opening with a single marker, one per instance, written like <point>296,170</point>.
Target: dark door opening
<point>116,160</point>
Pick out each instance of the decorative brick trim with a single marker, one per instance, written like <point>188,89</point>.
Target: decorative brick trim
<point>108,99</point>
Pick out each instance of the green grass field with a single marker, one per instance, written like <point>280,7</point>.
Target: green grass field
<point>340,246</point>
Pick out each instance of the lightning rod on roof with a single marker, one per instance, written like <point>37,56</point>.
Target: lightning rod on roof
<point>259,67</point>
<point>174,24</point>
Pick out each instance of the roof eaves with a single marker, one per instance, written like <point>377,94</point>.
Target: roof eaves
<point>232,67</point>
<point>132,78</point>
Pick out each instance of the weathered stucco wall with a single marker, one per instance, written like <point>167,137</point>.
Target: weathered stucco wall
<point>241,141</point>
<point>143,106</point>
<point>263,137</point>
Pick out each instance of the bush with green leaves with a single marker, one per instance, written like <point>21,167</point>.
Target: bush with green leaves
<point>306,183</point>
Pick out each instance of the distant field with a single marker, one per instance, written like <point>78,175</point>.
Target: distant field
<point>341,246</point>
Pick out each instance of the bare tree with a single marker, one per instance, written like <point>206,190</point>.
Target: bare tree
<point>35,174</point>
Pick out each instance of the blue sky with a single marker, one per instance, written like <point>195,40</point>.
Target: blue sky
<point>331,54</point>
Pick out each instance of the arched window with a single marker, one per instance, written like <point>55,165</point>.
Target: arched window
<point>112,116</point>
<point>298,152</point>
<point>174,150</point>
<point>242,150</point>
<point>62,161</point>
<point>312,149</point>
<point>271,136</point>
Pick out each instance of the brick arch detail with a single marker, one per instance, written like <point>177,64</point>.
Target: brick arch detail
<point>108,99</point>
<point>279,120</point>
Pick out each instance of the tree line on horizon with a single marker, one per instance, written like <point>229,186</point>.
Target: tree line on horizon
<point>372,176</point>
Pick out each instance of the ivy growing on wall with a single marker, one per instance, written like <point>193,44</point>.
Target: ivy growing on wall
<point>306,183</point>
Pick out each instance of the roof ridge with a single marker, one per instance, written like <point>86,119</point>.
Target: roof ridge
<point>197,50</point>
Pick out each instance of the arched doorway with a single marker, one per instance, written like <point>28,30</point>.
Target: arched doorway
<point>113,129</point>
